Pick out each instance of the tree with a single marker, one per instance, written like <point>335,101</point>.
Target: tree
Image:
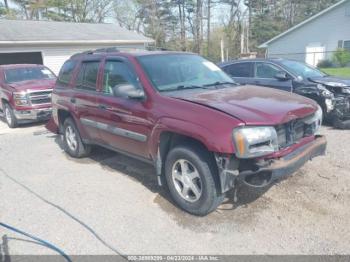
<point>127,13</point>
<point>341,57</point>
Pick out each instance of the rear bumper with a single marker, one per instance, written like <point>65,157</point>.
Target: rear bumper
<point>266,173</point>
<point>33,114</point>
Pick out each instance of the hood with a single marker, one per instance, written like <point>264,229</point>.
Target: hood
<point>34,85</point>
<point>251,104</point>
<point>331,81</point>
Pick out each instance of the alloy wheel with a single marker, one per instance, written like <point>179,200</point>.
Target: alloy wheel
<point>8,115</point>
<point>71,138</point>
<point>187,180</point>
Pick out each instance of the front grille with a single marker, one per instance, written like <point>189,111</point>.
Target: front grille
<point>293,131</point>
<point>40,97</point>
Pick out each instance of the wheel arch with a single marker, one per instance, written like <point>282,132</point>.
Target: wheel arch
<point>62,115</point>
<point>168,140</point>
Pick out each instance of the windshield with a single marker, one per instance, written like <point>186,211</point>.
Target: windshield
<point>28,73</point>
<point>302,70</point>
<point>182,71</point>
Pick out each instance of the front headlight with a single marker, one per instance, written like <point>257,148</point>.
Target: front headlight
<point>315,120</point>
<point>253,142</point>
<point>324,91</point>
<point>20,99</point>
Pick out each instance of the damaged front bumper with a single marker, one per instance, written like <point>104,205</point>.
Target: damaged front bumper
<point>31,115</point>
<point>340,116</point>
<point>264,173</point>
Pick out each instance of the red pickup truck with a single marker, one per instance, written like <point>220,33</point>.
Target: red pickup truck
<point>181,113</point>
<point>25,93</point>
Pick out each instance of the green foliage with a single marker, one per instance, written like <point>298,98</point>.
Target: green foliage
<point>326,63</point>
<point>340,71</point>
<point>2,10</point>
<point>341,57</point>
<point>265,27</point>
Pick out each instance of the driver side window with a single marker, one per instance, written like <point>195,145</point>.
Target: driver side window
<point>117,74</point>
<point>265,70</point>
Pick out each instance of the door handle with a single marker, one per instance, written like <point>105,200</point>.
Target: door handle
<point>73,100</point>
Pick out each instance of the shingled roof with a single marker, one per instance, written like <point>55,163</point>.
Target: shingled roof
<point>31,32</point>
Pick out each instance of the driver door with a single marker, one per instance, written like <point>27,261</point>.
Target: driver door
<point>265,75</point>
<point>122,122</point>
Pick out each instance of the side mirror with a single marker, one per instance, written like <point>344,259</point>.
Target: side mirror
<point>282,76</point>
<point>129,91</point>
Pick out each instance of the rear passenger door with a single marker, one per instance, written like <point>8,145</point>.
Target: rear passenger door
<point>241,72</point>
<point>265,75</point>
<point>84,98</point>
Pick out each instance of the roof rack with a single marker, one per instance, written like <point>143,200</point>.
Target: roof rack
<point>97,51</point>
<point>107,50</point>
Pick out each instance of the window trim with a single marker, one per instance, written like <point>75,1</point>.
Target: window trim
<point>241,62</point>
<point>267,78</point>
<point>130,67</point>
<point>75,86</point>
<point>344,45</point>
<point>73,73</point>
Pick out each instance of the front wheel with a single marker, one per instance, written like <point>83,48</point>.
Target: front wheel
<point>73,143</point>
<point>10,116</point>
<point>191,177</point>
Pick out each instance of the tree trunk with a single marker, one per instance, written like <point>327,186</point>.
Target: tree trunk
<point>6,5</point>
<point>208,28</point>
<point>198,36</point>
<point>182,25</point>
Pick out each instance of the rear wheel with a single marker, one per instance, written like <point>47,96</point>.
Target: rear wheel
<point>190,175</point>
<point>10,116</point>
<point>73,143</point>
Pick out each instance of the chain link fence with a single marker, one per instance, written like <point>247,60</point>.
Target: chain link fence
<point>317,58</point>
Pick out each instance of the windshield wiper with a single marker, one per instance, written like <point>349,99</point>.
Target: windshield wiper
<point>218,83</point>
<point>183,87</point>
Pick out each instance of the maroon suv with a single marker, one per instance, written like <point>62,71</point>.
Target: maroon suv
<point>25,93</point>
<point>180,112</point>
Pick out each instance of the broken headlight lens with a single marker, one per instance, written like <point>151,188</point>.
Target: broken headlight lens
<point>253,142</point>
<point>315,120</point>
<point>324,91</point>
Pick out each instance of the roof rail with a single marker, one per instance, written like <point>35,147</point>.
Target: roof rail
<point>89,52</point>
<point>97,51</point>
<point>106,50</point>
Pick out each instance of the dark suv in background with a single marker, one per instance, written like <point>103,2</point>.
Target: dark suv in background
<point>202,132</point>
<point>331,93</point>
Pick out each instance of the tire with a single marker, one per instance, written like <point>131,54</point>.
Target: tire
<point>200,171</point>
<point>9,116</point>
<point>73,144</point>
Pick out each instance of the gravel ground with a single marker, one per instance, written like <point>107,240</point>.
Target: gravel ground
<point>109,203</point>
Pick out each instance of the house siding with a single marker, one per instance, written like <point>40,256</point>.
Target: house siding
<point>55,56</point>
<point>325,30</point>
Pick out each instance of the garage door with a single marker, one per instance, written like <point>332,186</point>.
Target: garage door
<point>54,61</point>
<point>21,58</point>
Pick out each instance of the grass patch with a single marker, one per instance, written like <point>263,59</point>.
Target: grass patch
<point>343,71</point>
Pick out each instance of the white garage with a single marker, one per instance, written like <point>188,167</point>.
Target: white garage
<point>51,43</point>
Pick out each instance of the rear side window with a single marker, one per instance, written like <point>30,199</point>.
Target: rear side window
<point>240,69</point>
<point>265,70</point>
<point>66,72</point>
<point>87,77</point>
